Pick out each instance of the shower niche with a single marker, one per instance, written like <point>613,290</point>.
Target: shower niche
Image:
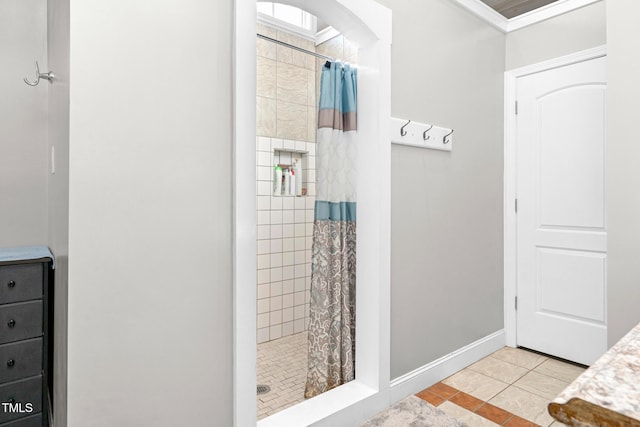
<point>295,164</point>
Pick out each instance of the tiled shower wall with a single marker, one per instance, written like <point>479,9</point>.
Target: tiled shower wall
<point>287,93</point>
<point>286,122</point>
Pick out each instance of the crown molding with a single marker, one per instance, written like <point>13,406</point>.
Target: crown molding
<point>505,25</point>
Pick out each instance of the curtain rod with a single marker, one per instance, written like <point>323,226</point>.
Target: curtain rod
<point>319,55</point>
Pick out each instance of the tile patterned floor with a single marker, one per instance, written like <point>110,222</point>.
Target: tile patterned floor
<point>510,387</point>
<point>282,365</point>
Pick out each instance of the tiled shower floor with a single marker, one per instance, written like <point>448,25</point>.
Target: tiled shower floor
<point>282,365</point>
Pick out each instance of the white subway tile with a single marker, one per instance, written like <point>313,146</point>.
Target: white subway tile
<point>311,162</point>
<point>287,289</point>
<point>298,298</point>
<point>263,291</point>
<point>311,189</point>
<point>299,271</point>
<point>276,260</point>
<point>300,146</point>
<point>307,269</point>
<point>263,277</point>
<point>275,332</point>
<point>307,256</point>
<point>300,257</point>
<point>263,203</point>
<point>263,261</point>
<point>311,175</point>
<point>263,247</point>
<point>263,188</point>
<point>263,217</point>
<point>277,144</point>
<point>287,216</point>
<point>264,144</point>
<point>287,244</point>
<point>300,230</point>
<point>265,158</point>
<point>298,312</point>
<point>300,203</point>
<point>276,231</point>
<point>287,314</point>
<point>288,202</point>
<point>264,232</point>
<point>263,335</point>
<point>299,243</point>
<point>309,229</point>
<point>298,326</point>
<point>310,202</point>
<point>306,310</point>
<point>300,216</point>
<point>285,158</point>
<point>287,329</point>
<point>276,274</point>
<point>263,320</point>
<point>275,246</point>
<point>287,300</point>
<point>276,302</point>
<point>263,307</point>
<point>311,148</point>
<point>289,144</point>
<point>288,231</point>
<point>287,258</point>
<point>309,216</point>
<point>309,242</point>
<point>275,289</point>
<point>308,282</point>
<point>276,217</point>
<point>299,285</point>
<point>287,273</point>
<point>276,203</point>
<point>307,298</point>
<point>265,173</point>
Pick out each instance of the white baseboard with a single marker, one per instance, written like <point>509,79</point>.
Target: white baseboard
<point>429,374</point>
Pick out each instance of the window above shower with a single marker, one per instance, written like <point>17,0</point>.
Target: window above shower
<point>287,17</point>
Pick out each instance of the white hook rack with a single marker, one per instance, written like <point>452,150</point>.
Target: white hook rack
<point>415,134</point>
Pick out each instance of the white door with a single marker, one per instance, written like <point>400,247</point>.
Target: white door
<point>561,217</point>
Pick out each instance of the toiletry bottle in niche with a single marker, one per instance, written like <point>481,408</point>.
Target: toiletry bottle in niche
<point>287,181</point>
<point>277,181</point>
<point>292,183</point>
<point>298,171</point>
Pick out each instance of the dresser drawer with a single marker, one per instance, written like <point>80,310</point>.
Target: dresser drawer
<point>20,359</point>
<point>20,282</point>
<point>30,421</point>
<point>22,392</point>
<point>20,321</point>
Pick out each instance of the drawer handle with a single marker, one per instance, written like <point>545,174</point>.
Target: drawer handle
<point>11,284</point>
<point>10,363</point>
<point>11,323</point>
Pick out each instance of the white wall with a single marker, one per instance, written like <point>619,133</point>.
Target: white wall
<point>623,173</point>
<point>23,124</point>
<point>58,186</point>
<point>571,32</point>
<point>446,215</point>
<point>150,326</point>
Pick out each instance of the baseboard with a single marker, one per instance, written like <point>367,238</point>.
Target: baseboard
<point>439,369</point>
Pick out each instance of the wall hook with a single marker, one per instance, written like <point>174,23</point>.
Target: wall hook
<point>49,76</point>
<point>402,131</point>
<point>444,138</point>
<point>424,134</point>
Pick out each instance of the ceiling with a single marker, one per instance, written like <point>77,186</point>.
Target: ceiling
<point>513,8</point>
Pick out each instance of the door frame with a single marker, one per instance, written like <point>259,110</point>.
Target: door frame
<point>510,177</point>
<point>368,24</point>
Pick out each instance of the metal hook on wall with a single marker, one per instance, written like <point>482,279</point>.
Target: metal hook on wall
<point>444,138</point>
<point>402,131</point>
<point>424,134</point>
<point>49,76</point>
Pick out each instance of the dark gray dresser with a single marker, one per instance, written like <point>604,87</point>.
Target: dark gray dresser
<point>25,335</point>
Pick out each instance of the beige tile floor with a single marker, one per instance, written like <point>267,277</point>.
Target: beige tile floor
<point>510,387</point>
<point>282,365</point>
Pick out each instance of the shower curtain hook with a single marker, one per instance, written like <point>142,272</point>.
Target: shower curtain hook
<point>424,134</point>
<point>444,138</point>
<point>402,131</point>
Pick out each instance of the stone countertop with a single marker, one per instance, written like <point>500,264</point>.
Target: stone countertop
<point>608,393</point>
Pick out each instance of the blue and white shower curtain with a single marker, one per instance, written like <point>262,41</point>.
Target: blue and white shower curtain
<point>333,260</point>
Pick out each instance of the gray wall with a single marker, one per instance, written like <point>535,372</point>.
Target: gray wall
<point>446,225</point>
<point>58,200</point>
<point>572,32</point>
<point>623,173</point>
<point>150,302</point>
<point>23,124</point>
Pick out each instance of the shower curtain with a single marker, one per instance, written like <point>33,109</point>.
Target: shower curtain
<point>331,355</point>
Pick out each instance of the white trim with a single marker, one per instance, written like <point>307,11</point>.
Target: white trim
<point>326,34</point>
<point>510,174</point>
<point>279,24</point>
<point>368,25</point>
<point>546,12</point>
<point>484,12</point>
<point>431,373</point>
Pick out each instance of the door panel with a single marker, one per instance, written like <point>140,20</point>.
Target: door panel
<point>561,220</point>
